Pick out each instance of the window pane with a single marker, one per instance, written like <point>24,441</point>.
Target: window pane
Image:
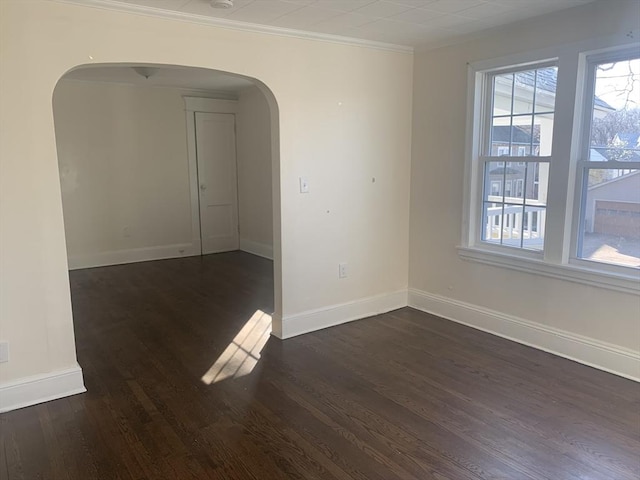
<point>502,87</point>
<point>506,218</point>
<point>615,128</point>
<point>501,137</point>
<point>492,231</point>
<point>524,88</point>
<point>610,230</point>
<point>536,183</point>
<point>542,135</point>
<point>546,79</point>
<point>494,181</point>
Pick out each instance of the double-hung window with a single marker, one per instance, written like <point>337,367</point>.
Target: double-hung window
<point>519,113</point>
<point>609,167</point>
<point>554,168</point>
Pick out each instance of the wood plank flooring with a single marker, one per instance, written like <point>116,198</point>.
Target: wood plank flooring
<point>403,395</point>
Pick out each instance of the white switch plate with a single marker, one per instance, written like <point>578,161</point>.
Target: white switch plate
<point>304,185</point>
<point>342,270</point>
<point>4,352</point>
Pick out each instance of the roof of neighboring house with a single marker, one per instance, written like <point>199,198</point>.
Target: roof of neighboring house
<point>604,154</point>
<point>548,80</point>
<point>501,171</point>
<point>504,133</point>
<point>622,178</point>
<point>629,139</point>
<point>597,156</point>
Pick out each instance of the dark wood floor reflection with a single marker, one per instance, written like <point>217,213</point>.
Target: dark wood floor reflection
<point>184,382</point>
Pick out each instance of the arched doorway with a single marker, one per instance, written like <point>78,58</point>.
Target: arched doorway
<point>145,139</point>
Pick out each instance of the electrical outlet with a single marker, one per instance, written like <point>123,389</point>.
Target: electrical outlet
<point>342,270</point>
<point>4,352</point>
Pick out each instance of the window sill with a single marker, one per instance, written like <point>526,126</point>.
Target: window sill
<point>578,274</point>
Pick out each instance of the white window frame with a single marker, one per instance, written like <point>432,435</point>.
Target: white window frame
<point>557,260</point>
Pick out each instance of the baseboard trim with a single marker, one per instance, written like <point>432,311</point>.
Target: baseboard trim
<point>41,388</point>
<point>588,351</point>
<point>134,255</point>
<point>313,320</point>
<point>260,249</point>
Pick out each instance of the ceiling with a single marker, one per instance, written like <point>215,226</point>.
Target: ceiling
<point>413,23</point>
<point>164,76</point>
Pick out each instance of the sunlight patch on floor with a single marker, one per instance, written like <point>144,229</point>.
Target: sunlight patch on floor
<point>243,353</point>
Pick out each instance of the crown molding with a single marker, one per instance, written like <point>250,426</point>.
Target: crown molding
<point>235,25</point>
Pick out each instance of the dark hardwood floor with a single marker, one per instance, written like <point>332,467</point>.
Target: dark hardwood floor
<point>403,395</point>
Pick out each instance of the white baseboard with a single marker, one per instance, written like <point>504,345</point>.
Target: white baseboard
<point>260,249</point>
<point>41,388</point>
<point>601,355</point>
<point>117,257</point>
<point>313,320</point>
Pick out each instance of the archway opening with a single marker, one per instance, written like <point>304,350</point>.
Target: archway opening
<point>171,199</point>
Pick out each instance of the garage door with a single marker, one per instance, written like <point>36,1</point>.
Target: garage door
<point>617,218</point>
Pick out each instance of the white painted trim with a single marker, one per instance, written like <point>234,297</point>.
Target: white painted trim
<point>627,283</point>
<point>260,249</point>
<point>209,105</point>
<point>313,320</point>
<point>29,391</point>
<point>236,25</point>
<point>133,255</point>
<point>588,351</point>
<point>194,191</point>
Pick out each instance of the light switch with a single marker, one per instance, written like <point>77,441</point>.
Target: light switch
<point>304,185</point>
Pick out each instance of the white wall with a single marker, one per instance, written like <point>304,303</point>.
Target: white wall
<point>253,131</point>
<point>344,117</point>
<point>122,153</point>
<point>437,191</point>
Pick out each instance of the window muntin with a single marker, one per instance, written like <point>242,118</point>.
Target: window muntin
<point>609,226</point>
<point>522,106</point>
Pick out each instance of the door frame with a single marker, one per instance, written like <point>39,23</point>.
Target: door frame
<point>205,105</point>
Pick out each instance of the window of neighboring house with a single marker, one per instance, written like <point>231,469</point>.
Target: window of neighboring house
<point>503,151</point>
<point>609,169</point>
<point>520,214</point>
<point>521,106</point>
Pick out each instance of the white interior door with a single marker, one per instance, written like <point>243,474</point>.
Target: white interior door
<point>216,154</point>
